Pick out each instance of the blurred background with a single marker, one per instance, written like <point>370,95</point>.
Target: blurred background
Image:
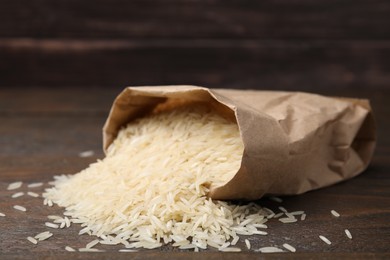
<point>302,45</point>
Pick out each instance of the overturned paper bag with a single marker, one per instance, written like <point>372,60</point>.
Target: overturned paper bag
<point>293,142</point>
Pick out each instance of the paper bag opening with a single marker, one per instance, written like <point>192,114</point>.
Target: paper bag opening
<point>293,142</point>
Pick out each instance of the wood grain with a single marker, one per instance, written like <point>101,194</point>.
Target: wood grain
<point>238,64</point>
<point>276,19</point>
<point>43,131</point>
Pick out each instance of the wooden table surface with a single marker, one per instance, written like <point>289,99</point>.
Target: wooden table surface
<point>43,130</point>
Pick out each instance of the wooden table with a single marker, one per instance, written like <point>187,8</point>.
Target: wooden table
<point>43,130</point>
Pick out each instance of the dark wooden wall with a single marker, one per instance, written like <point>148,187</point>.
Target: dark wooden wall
<point>274,44</point>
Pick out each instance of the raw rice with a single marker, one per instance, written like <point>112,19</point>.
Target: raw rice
<point>151,188</point>
<point>69,249</point>
<point>269,249</point>
<point>15,185</point>
<point>92,243</point>
<point>17,207</point>
<point>62,225</point>
<point>2,214</point>
<point>288,220</point>
<point>90,250</point>
<point>17,195</point>
<point>283,209</point>
<point>231,249</point>
<point>33,194</point>
<point>279,215</point>
<point>43,236</point>
<point>325,240</point>
<point>32,240</point>
<point>51,225</point>
<point>67,222</point>
<point>335,213</point>
<point>128,250</point>
<point>54,217</point>
<point>348,233</point>
<point>35,185</point>
<point>303,216</point>
<point>86,154</point>
<point>248,244</point>
<point>289,247</point>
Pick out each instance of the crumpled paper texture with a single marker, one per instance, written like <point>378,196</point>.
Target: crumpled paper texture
<point>294,142</point>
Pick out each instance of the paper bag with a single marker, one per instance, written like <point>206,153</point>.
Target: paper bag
<point>293,142</point>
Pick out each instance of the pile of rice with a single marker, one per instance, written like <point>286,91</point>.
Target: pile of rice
<point>151,188</point>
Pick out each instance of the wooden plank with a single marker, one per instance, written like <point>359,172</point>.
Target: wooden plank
<point>57,102</point>
<point>276,19</point>
<point>248,64</point>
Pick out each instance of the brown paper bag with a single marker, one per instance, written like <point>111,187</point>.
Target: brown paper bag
<point>293,142</point>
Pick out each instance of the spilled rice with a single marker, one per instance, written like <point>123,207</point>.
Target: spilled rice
<point>151,189</point>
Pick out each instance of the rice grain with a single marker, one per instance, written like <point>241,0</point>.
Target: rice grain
<point>248,244</point>
<point>32,240</point>
<point>325,240</point>
<point>289,247</point>
<point>348,233</point>
<point>269,249</point>
<point>14,185</point>
<point>51,225</point>
<point>17,195</point>
<point>20,208</point>
<point>335,213</point>
<point>33,194</point>
<point>35,185</point>
<point>69,249</point>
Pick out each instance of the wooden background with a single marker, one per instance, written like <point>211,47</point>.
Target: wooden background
<point>277,44</point>
<point>62,62</point>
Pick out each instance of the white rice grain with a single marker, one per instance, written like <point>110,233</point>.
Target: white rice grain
<point>128,250</point>
<point>51,225</point>
<point>33,194</point>
<point>32,240</point>
<point>20,208</point>
<point>44,235</point>
<point>67,222</point>
<point>69,249</point>
<point>35,185</point>
<point>2,214</point>
<point>279,215</point>
<point>90,250</point>
<point>283,209</point>
<point>335,213</point>
<point>85,154</point>
<point>235,240</point>
<point>17,195</point>
<point>248,244</point>
<point>230,249</point>
<point>62,225</point>
<point>325,240</point>
<point>303,217</point>
<point>92,243</point>
<point>348,233</point>
<point>54,217</point>
<point>287,220</point>
<point>14,185</point>
<point>289,247</point>
<point>269,249</point>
